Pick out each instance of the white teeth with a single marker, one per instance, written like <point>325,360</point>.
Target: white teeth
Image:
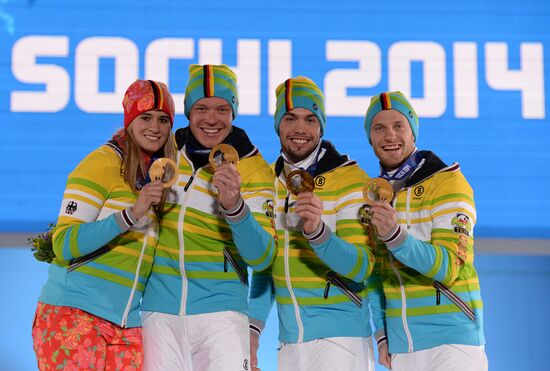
<point>300,141</point>
<point>152,138</point>
<point>211,131</point>
<point>391,147</point>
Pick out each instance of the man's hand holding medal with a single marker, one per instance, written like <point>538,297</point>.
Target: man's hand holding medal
<point>224,160</point>
<point>378,194</point>
<point>308,206</point>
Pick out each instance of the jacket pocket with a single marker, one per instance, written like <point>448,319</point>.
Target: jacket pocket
<point>227,257</point>
<point>455,299</point>
<point>332,278</point>
<point>77,262</point>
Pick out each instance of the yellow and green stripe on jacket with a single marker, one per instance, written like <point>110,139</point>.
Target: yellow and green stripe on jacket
<point>94,218</point>
<point>428,288</point>
<point>308,306</point>
<point>203,255</point>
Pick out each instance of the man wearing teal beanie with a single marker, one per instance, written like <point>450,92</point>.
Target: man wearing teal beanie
<point>217,225</point>
<point>318,277</point>
<point>424,294</point>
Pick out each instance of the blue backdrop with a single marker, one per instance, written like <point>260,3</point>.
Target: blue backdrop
<point>476,72</point>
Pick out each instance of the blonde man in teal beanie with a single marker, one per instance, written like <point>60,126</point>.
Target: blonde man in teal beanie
<point>424,293</point>
<point>218,223</point>
<point>318,277</point>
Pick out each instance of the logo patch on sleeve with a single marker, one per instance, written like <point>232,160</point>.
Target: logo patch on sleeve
<point>461,224</point>
<point>71,207</point>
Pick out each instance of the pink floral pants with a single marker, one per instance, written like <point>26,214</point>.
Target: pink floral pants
<point>70,339</point>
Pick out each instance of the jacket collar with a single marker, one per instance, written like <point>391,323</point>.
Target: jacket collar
<point>330,160</point>
<point>429,165</point>
<point>199,154</point>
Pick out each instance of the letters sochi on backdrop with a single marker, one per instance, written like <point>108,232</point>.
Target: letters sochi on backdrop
<point>82,83</point>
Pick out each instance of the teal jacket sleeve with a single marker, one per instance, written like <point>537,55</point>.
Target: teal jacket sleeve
<point>255,244</point>
<point>347,259</point>
<point>79,229</point>
<point>76,240</point>
<point>261,298</point>
<point>345,249</point>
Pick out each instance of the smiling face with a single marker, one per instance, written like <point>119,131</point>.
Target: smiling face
<point>300,133</point>
<point>210,121</point>
<point>150,130</point>
<point>392,138</point>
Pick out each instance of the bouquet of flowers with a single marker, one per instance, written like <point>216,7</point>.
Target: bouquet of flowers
<point>42,245</point>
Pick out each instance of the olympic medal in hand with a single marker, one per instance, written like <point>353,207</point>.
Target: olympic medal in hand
<point>299,181</point>
<point>165,170</point>
<point>223,153</point>
<point>377,189</point>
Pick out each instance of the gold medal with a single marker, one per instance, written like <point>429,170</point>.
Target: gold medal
<point>165,170</point>
<point>223,153</point>
<point>299,181</point>
<point>377,189</point>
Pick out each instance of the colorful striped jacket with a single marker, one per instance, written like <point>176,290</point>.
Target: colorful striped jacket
<point>319,283</point>
<point>431,294</point>
<point>93,215</point>
<point>202,256</point>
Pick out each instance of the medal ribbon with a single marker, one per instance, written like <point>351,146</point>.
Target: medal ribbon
<point>405,170</point>
<point>311,168</point>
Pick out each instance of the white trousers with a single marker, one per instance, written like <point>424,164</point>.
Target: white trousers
<point>450,357</point>
<point>201,342</point>
<point>328,354</point>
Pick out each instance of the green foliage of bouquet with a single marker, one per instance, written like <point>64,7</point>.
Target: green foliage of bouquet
<point>42,245</point>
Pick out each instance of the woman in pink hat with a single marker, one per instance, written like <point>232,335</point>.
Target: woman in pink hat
<point>104,242</point>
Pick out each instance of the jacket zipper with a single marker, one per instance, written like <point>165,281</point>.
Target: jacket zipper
<point>191,178</point>
<point>401,286</point>
<point>403,306</point>
<point>410,344</point>
<point>181,217</point>
<point>408,208</point>
<point>287,273</point>
<point>136,279</point>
